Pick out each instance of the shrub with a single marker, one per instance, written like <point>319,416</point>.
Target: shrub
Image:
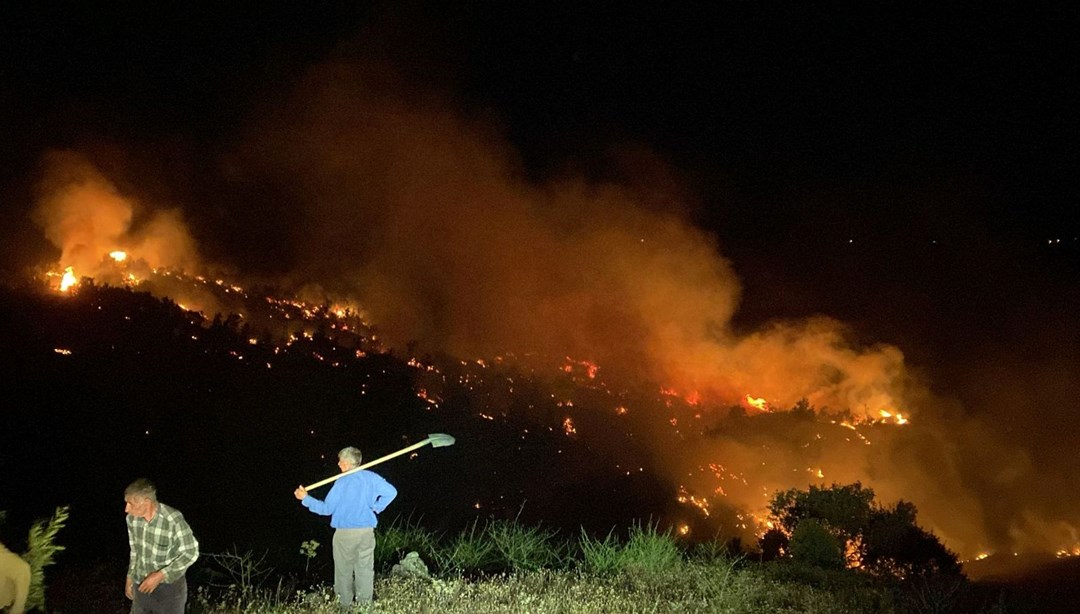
<point>812,544</point>
<point>885,541</point>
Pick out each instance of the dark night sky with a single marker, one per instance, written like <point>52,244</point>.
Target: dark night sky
<point>797,127</point>
<point>900,169</point>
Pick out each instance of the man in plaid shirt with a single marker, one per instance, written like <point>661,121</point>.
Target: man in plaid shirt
<point>162,548</point>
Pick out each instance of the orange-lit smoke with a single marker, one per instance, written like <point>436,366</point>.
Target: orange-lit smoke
<point>84,215</point>
<point>425,218</point>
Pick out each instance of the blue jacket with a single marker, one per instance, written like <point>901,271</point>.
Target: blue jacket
<point>354,500</point>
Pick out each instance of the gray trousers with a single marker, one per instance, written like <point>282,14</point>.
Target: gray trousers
<point>166,599</point>
<point>354,564</point>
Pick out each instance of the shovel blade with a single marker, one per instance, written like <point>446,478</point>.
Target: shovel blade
<point>439,440</point>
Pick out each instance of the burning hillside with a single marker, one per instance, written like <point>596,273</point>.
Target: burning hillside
<point>412,229</point>
<point>719,464</point>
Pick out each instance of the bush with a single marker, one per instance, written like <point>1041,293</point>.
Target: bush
<point>812,544</point>
<point>885,541</point>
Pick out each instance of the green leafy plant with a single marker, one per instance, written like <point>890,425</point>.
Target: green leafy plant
<point>41,547</point>
<point>308,549</point>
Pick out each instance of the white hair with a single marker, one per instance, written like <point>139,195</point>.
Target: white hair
<point>351,456</point>
<point>142,488</point>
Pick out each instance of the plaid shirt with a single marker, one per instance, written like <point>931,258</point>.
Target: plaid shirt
<point>164,543</point>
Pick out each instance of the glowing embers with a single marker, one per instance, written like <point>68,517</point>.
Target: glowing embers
<point>701,503</point>
<point>691,398</point>
<point>568,426</point>
<point>588,368</point>
<point>1068,551</point>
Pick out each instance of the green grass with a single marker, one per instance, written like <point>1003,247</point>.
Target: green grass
<point>522,548</point>
<point>400,537</point>
<point>694,587</point>
<point>504,566</point>
<point>468,553</point>
<point>647,551</point>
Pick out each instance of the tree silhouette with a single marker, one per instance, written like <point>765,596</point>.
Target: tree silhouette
<point>882,541</point>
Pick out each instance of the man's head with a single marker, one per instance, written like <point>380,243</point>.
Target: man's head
<point>140,498</point>
<point>349,458</point>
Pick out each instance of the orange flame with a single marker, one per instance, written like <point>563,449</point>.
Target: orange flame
<point>757,403</point>
<point>68,280</point>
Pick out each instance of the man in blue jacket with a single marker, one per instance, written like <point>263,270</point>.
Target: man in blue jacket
<point>352,504</point>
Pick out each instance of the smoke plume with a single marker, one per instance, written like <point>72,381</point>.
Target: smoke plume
<point>84,215</point>
<point>424,214</point>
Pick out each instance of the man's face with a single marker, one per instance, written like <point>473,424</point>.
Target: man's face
<point>136,506</point>
<point>343,465</point>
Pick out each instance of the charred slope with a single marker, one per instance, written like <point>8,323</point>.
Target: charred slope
<point>109,384</point>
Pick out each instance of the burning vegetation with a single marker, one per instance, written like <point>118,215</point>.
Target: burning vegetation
<point>749,451</point>
<point>589,312</point>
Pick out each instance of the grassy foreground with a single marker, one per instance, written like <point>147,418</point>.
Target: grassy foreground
<point>507,567</point>
<point>693,588</point>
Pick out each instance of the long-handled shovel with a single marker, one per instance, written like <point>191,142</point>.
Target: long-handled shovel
<point>437,440</point>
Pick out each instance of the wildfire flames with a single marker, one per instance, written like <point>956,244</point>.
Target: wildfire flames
<point>585,372</point>
<point>67,279</point>
<point>602,285</point>
<point>756,403</point>
<point>715,484</point>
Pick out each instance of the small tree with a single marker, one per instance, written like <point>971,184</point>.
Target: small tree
<point>879,540</point>
<point>845,509</point>
<point>896,546</point>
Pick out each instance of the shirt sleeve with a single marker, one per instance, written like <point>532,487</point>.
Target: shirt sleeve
<point>187,550</point>
<point>131,547</point>
<point>22,587</point>
<point>327,507</point>
<point>384,494</point>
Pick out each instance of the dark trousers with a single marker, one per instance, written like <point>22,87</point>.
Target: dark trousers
<point>166,599</point>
